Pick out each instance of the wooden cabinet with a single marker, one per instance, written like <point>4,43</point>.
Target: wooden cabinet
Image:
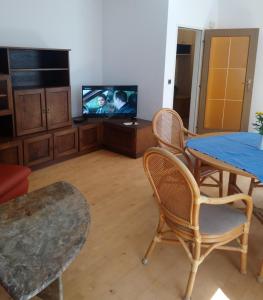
<point>130,140</point>
<point>39,82</point>
<point>89,137</point>
<point>65,142</point>
<point>6,101</point>
<point>11,153</point>
<point>119,139</point>
<point>39,79</point>
<point>38,150</point>
<point>58,106</point>
<point>41,109</point>
<point>30,111</point>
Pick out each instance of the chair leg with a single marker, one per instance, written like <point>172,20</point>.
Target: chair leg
<point>197,171</point>
<point>194,268</point>
<point>251,187</point>
<point>260,276</point>
<point>149,250</point>
<point>221,183</point>
<point>191,280</point>
<point>154,241</point>
<point>243,260</point>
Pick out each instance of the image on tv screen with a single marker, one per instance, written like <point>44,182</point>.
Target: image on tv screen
<point>110,101</point>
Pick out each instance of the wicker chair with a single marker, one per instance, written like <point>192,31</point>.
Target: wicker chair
<point>194,221</point>
<point>169,130</point>
<point>258,213</point>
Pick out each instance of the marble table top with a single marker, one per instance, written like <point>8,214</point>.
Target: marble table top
<point>40,235</point>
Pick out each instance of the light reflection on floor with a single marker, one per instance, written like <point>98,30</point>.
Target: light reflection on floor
<point>219,295</point>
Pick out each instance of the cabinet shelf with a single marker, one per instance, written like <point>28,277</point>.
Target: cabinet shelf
<point>182,96</point>
<point>38,69</point>
<point>34,78</point>
<point>5,112</point>
<point>3,95</point>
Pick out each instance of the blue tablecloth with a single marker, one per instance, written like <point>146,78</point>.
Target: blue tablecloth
<point>237,149</point>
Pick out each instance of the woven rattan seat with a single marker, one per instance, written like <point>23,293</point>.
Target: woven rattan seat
<point>219,219</point>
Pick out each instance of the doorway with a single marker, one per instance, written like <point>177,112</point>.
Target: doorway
<point>187,75</point>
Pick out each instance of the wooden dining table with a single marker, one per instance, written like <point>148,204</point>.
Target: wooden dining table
<point>200,158</point>
<point>233,188</point>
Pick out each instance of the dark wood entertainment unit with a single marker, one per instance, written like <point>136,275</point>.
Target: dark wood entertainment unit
<point>36,126</point>
<point>131,140</point>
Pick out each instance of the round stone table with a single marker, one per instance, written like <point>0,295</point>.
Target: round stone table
<point>40,235</point>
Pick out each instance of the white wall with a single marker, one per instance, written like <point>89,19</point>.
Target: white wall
<point>139,44</point>
<point>74,24</point>
<point>190,14</point>
<point>247,14</point>
<point>124,41</point>
<point>134,40</point>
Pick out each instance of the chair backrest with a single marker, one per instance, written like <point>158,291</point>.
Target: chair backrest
<point>168,129</point>
<point>175,187</point>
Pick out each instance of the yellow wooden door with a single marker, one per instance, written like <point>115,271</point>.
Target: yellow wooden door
<point>227,79</point>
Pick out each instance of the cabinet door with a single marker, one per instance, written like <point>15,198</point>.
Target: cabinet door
<point>58,107</point>
<point>30,111</point>
<point>6,102</point>
<point>11,153</point>
<point>38,150</point>
<point>65,142</point>
<point>89,137</point>
<point>119,139</point>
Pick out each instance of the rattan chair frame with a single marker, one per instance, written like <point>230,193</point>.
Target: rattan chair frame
<point>254,183</point>
<point>181,150</point>
<point>197,245</point>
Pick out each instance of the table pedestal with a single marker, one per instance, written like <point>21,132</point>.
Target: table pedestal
<point>53,292</point>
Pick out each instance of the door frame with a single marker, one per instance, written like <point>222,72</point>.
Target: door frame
<point>208,34</point>
<point>196,79</point>
<point>197,71</point>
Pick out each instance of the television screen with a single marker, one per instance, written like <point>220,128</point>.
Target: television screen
<point>109,101</point>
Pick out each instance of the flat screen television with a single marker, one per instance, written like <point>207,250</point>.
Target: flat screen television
<point>109,101</point>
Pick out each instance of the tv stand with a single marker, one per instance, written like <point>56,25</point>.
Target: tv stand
<point>132,140</point>
<point>78,120</point>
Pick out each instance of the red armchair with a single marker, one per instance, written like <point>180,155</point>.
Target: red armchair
<point>13,181</point>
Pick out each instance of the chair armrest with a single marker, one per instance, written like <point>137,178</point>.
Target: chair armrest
<point>189,133</point>
<point>247,200</point>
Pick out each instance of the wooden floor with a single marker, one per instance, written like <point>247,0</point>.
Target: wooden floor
<point>123,221</point>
